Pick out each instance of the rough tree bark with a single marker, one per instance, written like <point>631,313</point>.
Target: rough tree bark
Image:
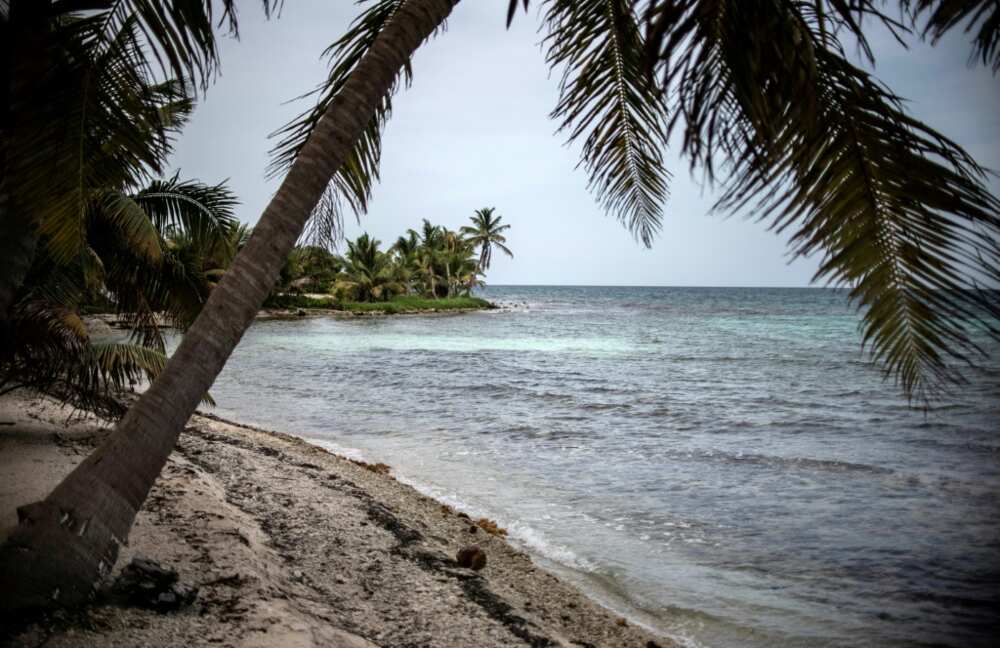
<point>66,543</point>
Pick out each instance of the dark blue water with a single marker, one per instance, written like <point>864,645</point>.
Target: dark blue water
<point>722,464</point>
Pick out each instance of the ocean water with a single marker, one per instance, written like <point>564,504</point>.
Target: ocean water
<point>723,465</point>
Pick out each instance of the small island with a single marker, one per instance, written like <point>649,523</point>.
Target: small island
<point>433,270</point>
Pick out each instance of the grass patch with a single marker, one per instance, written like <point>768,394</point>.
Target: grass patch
<point>406,304</point>
<point>409,304</point>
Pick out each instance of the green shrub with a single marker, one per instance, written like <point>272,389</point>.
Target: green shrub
<point>403,304</point>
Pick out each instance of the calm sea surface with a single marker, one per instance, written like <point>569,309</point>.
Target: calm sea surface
<point>721,464</point>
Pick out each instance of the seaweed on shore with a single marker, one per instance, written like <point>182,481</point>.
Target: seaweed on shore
<point>491,527</point>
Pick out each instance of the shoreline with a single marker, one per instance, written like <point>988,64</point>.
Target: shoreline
<point>281,314</point>
<point>294,545</point>
<point>104,323</point>
<point>301,304</point>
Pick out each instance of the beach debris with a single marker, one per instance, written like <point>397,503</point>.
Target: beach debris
<point>230,580</point>
<point>377,468</point>
<point>491,527</point>
<point>471,557</point>
<point>145,583</point>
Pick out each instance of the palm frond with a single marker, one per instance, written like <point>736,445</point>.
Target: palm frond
<point>104,371</point>
<point>203,211</point>
<point>354,180</point>
<point>96,122</point>
<point>117,365</point>
<point>981,18</point>
<point>772,108</point>
<point>130,221</point>
<point>193,230</point>
<point>49,328</point>
<point>325,227</point>
<point>902,216</point>
<point>181,34</point>
<point>503,248</point>
<point>512,9</point>
<point>146,293</point>
<point>607,100</point>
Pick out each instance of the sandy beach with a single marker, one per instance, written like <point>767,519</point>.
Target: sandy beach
<point>290,545</point>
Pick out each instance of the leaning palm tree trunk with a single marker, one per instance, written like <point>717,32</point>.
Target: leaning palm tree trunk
<point>65,543</point>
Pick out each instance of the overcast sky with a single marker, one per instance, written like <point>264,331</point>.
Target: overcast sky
<point>473,131</point>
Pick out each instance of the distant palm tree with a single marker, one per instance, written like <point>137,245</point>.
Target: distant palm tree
<point>467,272</point>
<point>310,269</point>
<point>431,236</point>
<point>406,248</point>
<point>427,267</point>
<point>238,239</point>
<point>485,233</point>
<point>450,243</point>
<point>369,274</point>
<point>428,257</point>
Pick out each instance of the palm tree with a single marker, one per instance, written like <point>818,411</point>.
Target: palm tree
<point>486,232</point>
<point>450,243</point>
<point>369,273</point>
<point>407,248</point>
<point>83,108</point>
<point>427,259</point>
<point>467,272</point>
<point>193,233</point>
<point>431,236</point>
<point>86,125</point>
<point>461,265</point>
<point>147,254</point>
<point>311,269</point>
<point>899,210</point>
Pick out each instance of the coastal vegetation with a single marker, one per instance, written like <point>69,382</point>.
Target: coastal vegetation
<point>762,94</point>
<point>150,257</point>
<point>435,268</point>
<point>105,231</point>
<point>396,305</point>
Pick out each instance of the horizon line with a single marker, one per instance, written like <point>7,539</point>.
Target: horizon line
<point>556,285</point>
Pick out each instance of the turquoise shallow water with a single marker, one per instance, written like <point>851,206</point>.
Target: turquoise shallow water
<point>722,464</point>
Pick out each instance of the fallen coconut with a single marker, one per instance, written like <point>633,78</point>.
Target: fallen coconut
<point>471,557</point>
